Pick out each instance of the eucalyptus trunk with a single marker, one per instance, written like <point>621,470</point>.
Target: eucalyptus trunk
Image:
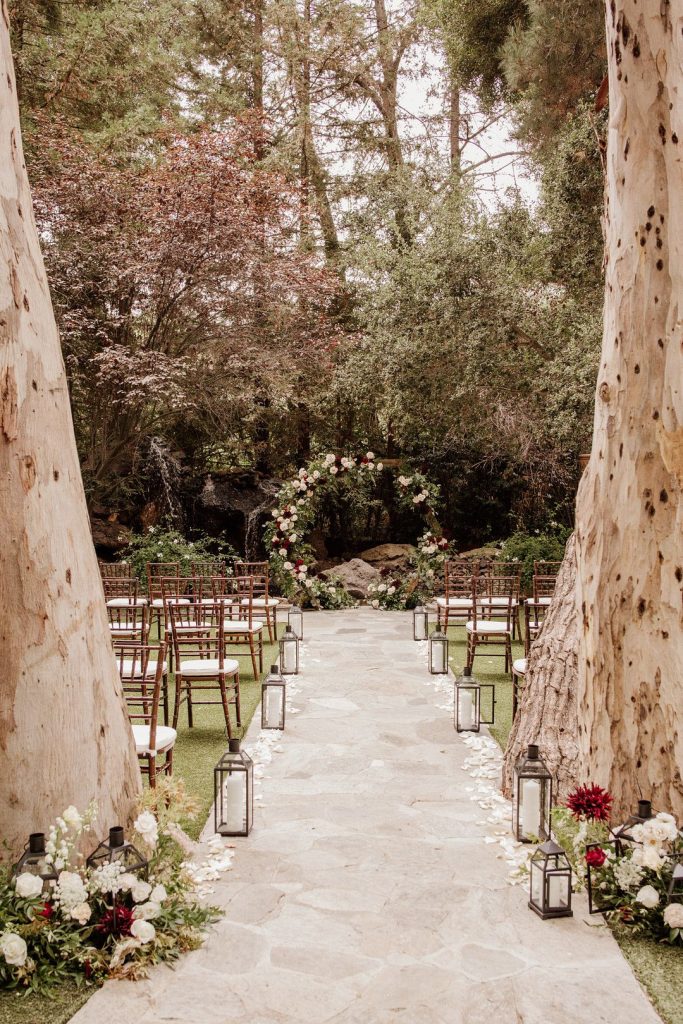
<point>65,736</point>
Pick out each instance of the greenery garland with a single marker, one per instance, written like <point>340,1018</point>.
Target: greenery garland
<point>294,516</point>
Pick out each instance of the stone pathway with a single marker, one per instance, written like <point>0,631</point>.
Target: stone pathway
<point>366,893</point>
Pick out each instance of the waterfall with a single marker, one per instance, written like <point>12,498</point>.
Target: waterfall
<point>162,465</point>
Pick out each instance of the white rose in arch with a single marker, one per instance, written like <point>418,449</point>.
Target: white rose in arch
<point>283,552</point>
<point>81,913</point>
<point>334,469</point>
<point>673,915</point>
<point>14,949</point>
<point>28,886</point>
<point>329,459</point>
<point>380,466</point>
<point>648,896</point>
<point>391,590</point>
<point>143,931</point>
<point>370,455</point>
<point>316,474</point>
<point>416,499</point>
<point>292,537</point>
<point>293,518</point>
<point>288,565</point>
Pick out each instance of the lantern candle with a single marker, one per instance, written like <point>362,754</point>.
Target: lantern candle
<point>438,653</point>
<point>465,700</point>
<point>235,802</point>
<point>531,807</point>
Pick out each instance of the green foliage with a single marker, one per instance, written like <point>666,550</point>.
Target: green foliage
<point>527,548</point>
<point>165,544</point>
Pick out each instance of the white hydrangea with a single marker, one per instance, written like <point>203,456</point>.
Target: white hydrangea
<point>70,890</point>
<point>81,913</point>
<point>648,896</point>
<point>628,874</point>
<point>107,878</point>
<point>673,915</point>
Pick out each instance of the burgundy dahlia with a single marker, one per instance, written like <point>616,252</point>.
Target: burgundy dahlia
<point>595,857</point>
<point>117,921</point>
<point>591,802</point>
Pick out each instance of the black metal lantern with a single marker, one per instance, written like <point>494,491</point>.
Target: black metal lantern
<point>550,882</point>
<point>233,781</point>
<point>289,653</point>
<point>622,834</point>
<point>117,850</point>
<point>676,884</point>
<point>295,619</point>
<point>420,623</point>
<point>33,861</point>
<point>273,700</point>
<point>438,653</point>
<point>532,798</point>
<point>467,702</point>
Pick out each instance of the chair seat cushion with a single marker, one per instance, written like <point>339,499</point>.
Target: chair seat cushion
<point>485,626</point>
<point>125,602</point>
<point>207,667</point>
<point>544,601</point>
<point>239,626</point>
<point>217,600</point>
<point>165,739</point>
<point>519,666</point>
<point>125,629</point>
<point>454,602</point>
<point>262,602</point>
<point>496,602</point>
<point>159,602</point>
<point>126,667</point>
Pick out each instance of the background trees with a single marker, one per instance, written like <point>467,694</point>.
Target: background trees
<point>400,301</point>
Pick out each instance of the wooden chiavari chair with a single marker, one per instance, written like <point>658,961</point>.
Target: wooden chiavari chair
<point>142,668</point>
<point>264,606</point>
<point>241,627</point>
<point>120,591</point>
<point>492,595</point>
<point>129,621</point>
<point>115,570</point>
<point>201,664</point>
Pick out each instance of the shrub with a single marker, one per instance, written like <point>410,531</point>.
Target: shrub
<point>527,548</point>
<point>163,544</point>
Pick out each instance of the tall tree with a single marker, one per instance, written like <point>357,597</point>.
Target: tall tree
<point>64,732</point>
<point>629,520</point>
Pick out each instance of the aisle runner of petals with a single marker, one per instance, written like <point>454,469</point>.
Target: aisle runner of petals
<point>484,765</point>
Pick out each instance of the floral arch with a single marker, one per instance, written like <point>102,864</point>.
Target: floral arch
<point>295,514</point>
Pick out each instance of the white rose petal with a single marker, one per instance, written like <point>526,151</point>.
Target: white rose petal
<point>28,886</point>
<point>146,826</point>
<point>14,949</point>
<point>158,893</point>
<point>146,911</point>
<point>143,931</point>
<point>648,896</point>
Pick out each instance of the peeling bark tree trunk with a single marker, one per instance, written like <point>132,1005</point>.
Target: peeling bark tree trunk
<point>629,517</point>
<point>547,711</point>
<point>64,731</point>
<point>629,521</point>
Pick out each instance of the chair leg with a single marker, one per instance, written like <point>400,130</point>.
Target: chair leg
<point>188,688</point>
<point>253,655</point>
<point>152,769</point>
<point>238,704</point>
<point>269,624</point>
<point>164,690</point>
<point>226,707</point>
<point>260,652</point>
<point>176,703</point>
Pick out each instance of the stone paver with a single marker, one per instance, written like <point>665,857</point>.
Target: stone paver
<point>365,894</point>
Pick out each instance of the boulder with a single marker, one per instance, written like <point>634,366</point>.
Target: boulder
<point>394,556</point>
<point>356,576</point>
<point>109,536</point>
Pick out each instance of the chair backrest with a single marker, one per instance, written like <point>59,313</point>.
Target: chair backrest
<point>459,586</point>
<point>120,586</point>
<point>489,589</point>
<point>542,568</point>
<point>155,572</point>
<point>205,570</point>
<point>503,569</point>
<point>141,668</point>
<point>458,569</point>
<point>115,570</point>
<point>259,571</point>
<point>544,586</point>
<point>129,621</point>
<point>197,631</point>
<point>246,592</point>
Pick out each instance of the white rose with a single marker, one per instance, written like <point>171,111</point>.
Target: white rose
<point>651,858</point>
<point>140,890</point>
<point>284,525</point>
<point>673,915</point>
<point>292,538</point>
<point>375,604</point>
<point>391,590</point>
<point>333,469</point>
<point>302,472</point>
<point>72,818</point>
<point>316,474</point>
<point>370,455</point>
<point>28,886</point>
<point>146,911</point>
<point>380,466</point>
<point>381,587</point>
<point>283,552</point>
<point>293,517</point>
<point>143,931</point>
<point>648,896</point>
<point>158,893</point>
<point>13,948</point>
<point>330,459</point>
<point>146,826</point>
<point>416,499</point>
<point>288,566</point>
<point>81,913</point>
<point>127,881</point>
<point>301,501</point>
<point>303,568</point>
<point>275,513</point>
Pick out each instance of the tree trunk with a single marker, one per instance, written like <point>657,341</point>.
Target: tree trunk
<point>629,519</point>
<point>547,710</point>
<point>65,737</point>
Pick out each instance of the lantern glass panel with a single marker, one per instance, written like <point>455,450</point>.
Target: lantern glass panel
<point>550,882</point>
<point>532,798</point>
<point>234,792</point>
<point>676,883</point>
<point>117,850</point>
<point>622,834</point>
<point>438,653</point>
<point>295,620</point>
<point>289,653</point>
<point>33,862</point>
<point>273,690</point>
<point>420,623</point>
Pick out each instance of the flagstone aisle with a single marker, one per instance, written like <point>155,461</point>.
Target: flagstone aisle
<point>367,893</point>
